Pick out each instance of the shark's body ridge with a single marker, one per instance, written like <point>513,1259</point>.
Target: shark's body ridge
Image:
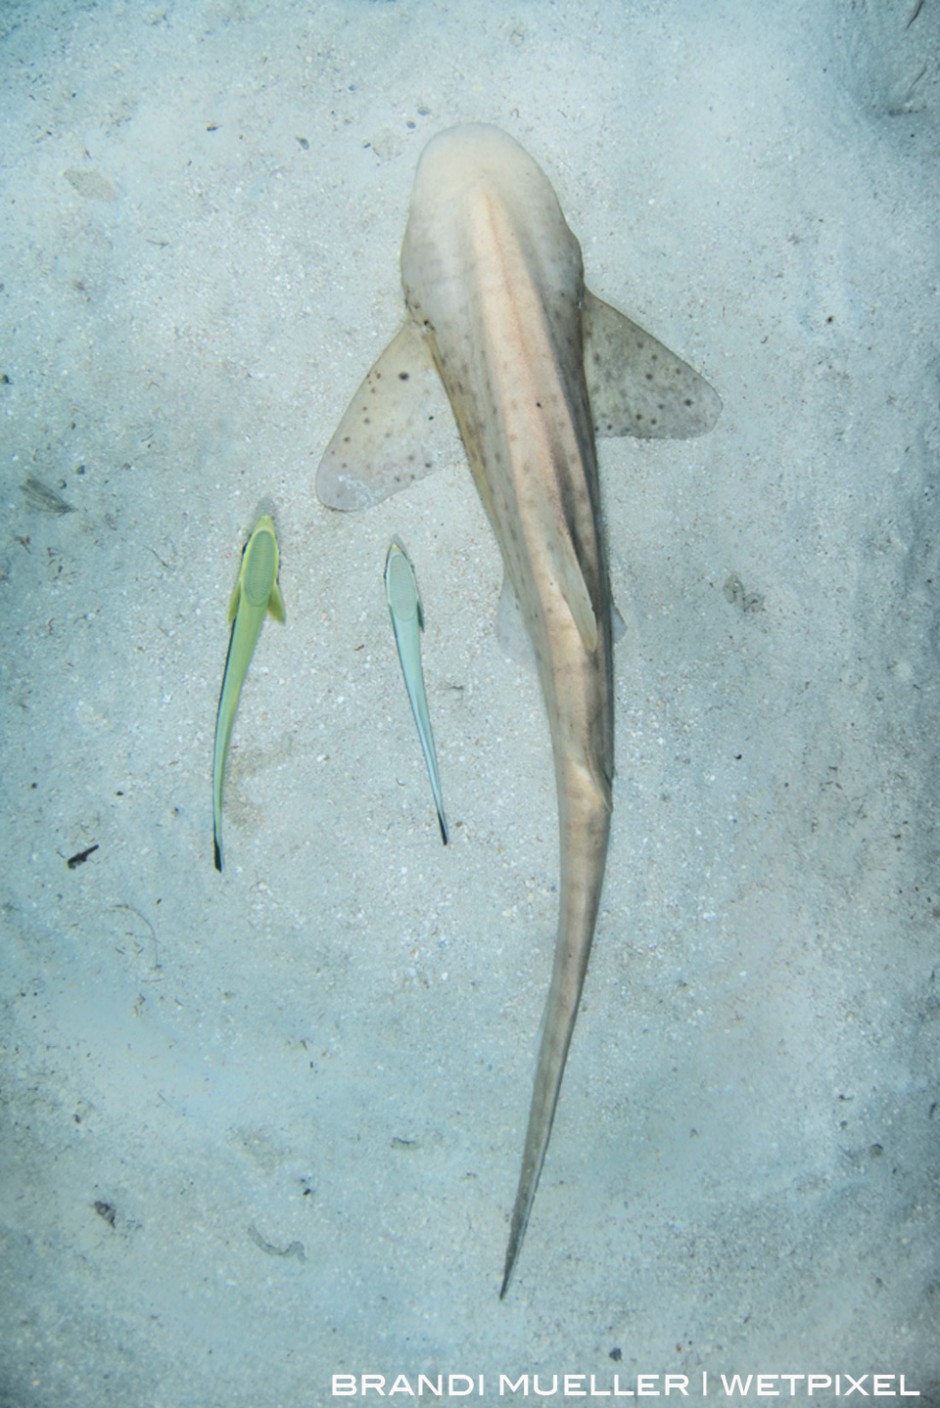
<point>533,366</point>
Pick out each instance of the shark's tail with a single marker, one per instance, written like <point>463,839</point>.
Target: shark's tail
<point>583,850</point>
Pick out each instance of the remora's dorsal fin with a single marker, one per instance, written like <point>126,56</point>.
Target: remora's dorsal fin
<point>635,384</point>
<point>393,430</point>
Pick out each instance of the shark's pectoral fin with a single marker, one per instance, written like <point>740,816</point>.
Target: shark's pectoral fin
<point>397,428</point>
<point>636,385</point>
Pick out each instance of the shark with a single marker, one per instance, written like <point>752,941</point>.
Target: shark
<point>535,368</point>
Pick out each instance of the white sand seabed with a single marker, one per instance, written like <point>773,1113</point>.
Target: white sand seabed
<point>265,1127</point>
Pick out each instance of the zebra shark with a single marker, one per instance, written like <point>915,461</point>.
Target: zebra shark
<point>535,367</point>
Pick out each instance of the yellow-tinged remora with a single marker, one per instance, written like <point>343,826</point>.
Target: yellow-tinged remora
<point>256,594</point>
<point>534,367</point>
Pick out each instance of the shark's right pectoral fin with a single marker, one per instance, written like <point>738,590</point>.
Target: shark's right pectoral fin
<point>397,428</point>
<point>635,384</point>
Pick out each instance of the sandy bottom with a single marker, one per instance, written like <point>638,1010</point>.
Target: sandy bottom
<point>264,1128</point>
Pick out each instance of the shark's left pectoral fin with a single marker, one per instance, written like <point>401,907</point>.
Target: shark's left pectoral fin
<point>635,384</point>
<point>397,428</point>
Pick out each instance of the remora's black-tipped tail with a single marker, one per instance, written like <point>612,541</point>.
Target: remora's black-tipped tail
<point>443,825</point>
<point>217,849</point>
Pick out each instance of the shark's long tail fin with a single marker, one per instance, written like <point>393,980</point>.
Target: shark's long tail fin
<point>558,1025</point>
<point>584,834</point>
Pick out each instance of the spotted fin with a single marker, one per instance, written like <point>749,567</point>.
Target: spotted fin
<point>636,385</point>
<point>396,429</point>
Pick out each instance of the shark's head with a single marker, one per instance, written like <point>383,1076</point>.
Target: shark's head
<point>469,178</point>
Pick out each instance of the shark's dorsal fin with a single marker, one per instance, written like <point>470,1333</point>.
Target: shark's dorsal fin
<point>511,629</point>
<point>397,428</point>
<point>574,588</point>
<point>635,384</point>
